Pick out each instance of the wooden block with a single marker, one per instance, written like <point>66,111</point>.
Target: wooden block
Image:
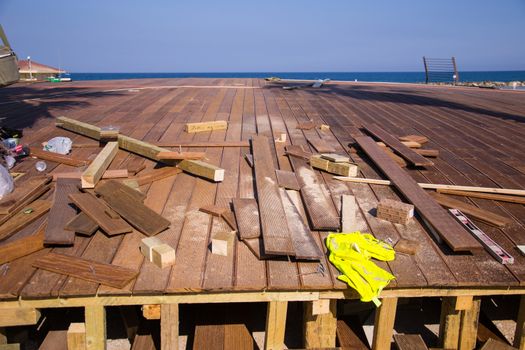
<point>106,274</point>
<point>414,138</point>
<point>320,307</point>
<point>23,246</point>
<point>61,213</point>
<point>407,246</point>
<point>24,193</point>
<point>108,174</point>
<point>324,127</point>
<point>281,138</point>
<point>349,210</point>
<point>24,217</point>
<point>342,169</point>
<point>109,133</point>
<point>336,158</point>
<point>409,342</point>
<point>19,316</point>
<point>163,255</point>
<point>55,157</point>
<point>76,336</point>
<point>82,224</point>
<point>202,169</point>
<point>222,243</point>
<point>151,311</point>
<point>96,210</point>
<point>247,216</point>
<point>147,245</point>
<point>206,126</point>
<point>94,172</point>
<point>287,180</point>
<point>180,155</point>
<point>395,211</point>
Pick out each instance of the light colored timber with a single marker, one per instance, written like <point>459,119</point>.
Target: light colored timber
<point>180,155</point>
<point>206,126</point>
<point>200,168</point>
<point>19,317</point>
<point>96,169</point>
<point>320,327</point>
<point>469,326</point>
<point>169,326</point>
<point>275,325</point>
<point>509,191</point>
<point>108,174</point>
<point>76,336</point>
<point>79,127</point>
<point>384,324</point>
<point>95,320</point>
<point>56,157</point>
<point>151,311</point>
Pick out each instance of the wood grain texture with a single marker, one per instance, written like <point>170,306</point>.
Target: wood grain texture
<point>412,157</point>
<point>274,226</point>
<point>247,215</point>
<point>96,169</point>
<point>96,210</point>
<point>24,217</point>
<point>409,342</point>
<point>287,179</point>
<point>320,145</point>
<point>204,144</point>
<point>106,274</point>
<point>107,188</point>
<point>82,224</point>
<point>55,157</point>
<point>180,155</point>
<point>448,229</point>
<point>23,193</point>
<point>23,246</point>
<point>61,213</point>
<point>108,174</point>
<point>202,169</point>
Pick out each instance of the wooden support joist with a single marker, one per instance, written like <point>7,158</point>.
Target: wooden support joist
<point>76,336</point>
<point>19,317</point>
<point>434,215</point>
<point>320,323</point>
<point>169,326</point>
<point>180,155</point>
<point>96,169</point>
<point>206,126</point>
<point>24,217</point>
<point>202,169</point>
<point>95,320</point>
<point>275,325</point>
<point>439,187</point>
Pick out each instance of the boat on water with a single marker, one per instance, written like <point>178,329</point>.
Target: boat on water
<point>59,79</point>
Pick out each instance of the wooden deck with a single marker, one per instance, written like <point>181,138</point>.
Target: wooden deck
<point>479,134</point>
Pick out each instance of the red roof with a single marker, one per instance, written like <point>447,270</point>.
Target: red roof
<point>23,66</point>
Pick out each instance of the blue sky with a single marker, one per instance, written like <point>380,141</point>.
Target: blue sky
<point>270,35</point>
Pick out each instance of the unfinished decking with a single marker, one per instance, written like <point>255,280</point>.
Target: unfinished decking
<point>479,135</point>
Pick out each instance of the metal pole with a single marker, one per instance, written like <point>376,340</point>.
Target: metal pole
<point>426,69</point>
<point>456,75</point>
<point>29,64</point>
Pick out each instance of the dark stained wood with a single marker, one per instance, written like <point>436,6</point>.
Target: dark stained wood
<point>61,213</point>
<point>22,246</point>
<point>287,179</point>
<point>348,339</point>
<point>106,189</point>
<point>409,342</point>
<point>247,215</point>
<point>82,224</point>
<point>320,145</point>
<point>490,196</point>
<point>448,229</point>
<point>24,217</point>
<point>107,274</point>
<point>24,193</point>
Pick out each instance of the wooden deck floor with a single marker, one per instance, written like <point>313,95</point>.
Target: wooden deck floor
<point>479,134</point>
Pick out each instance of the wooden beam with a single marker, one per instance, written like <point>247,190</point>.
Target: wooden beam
<point>61,213</point>
<point>180,155</point>
<point>79,127</point>
<point>23,246</point>
<point>275,325</point>
<point>24,217</point>
<point>19,317</point>
<point>519,334</point>
<point>320,329</point>
<point>206,126</point>
<point>202,169</point>
<point>56,157</point>
<point>96,169</point>
<point>439,187</point>
<point>76,336</point>
<point>469,326</point>
<point>384,324</point>
<point>155,175</point>
<point>450,323</point>
<point>169,326</point>
<point>95,320</point>
<point>108,174</point>
<point>490,196</point>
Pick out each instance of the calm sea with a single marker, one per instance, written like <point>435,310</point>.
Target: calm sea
<point>399,77</point>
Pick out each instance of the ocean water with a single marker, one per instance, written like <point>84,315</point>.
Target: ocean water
<point>396,77</point>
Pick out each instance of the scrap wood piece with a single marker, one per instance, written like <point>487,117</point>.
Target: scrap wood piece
<point>24,217</point>
<point>336,158</point>
<point>23,194</point>
<point>247,215</point>
<point>256,246</point>
<point>410,144</point>
<point>320,145</point>
<point>134,168</point>
<point>343,169</point>
<point>303,242</point>
<point>405,152</point>
<point>155,175</point>
<point>221,212</point>
<point>61,213</point>
<point>399,160</point>
<point>319,208</point>
<point>56,157</point>
<point>135,212</point>
<point>96,209</point>
<point>206,126</point>
<point>202,169</point>
<point>94,172</point>
<point>306,125</point>
<point>491,196</point>
<point>395,211</point>
<point>439,187</point>
<point>287,180</point>
<point>23,246</point>
<point>204,144</point>
<point>108,188</point>
<point>297,151</point>
<point>82,224</point>
<point>494,344</point>
<point>180,155</point>
<point>222,243</point>
<point>407,246</point>
<point>432,153</point>
<point>414,138</point>
<point>89,270</point>
<point>483,215</point>
<point>349,211</point>
<point>108,174</point>
<point>274,226</point>
<point>433,214</point>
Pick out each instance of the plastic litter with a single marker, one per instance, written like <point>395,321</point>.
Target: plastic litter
<point>6,182</point>
<point>41,165</point>
<point>59,144</point>
<point>10,161</point>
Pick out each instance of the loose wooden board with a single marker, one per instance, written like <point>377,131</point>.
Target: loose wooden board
<point>106,189</point>
<point>412,157</point>
<point>439,220</point>
<point>106,274</point>
<point>287,180</point>
<point>180,155</point>
<point>82,224</point>
<point>490,196</point>
<point>23,246</point>
<point>55,157</point>
<point>61,213</point>
<point>24,217</point>
<point>206,126</point>
<point>108,174</point>
<point>23,194</point>
<point>247,215</point>
<point>202,169</point>
<point>321,145</point>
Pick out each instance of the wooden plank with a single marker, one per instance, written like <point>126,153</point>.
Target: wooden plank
<point>414,138</point>
<point>82,224</point>
<point>141,148</point>
<point>287,180</point>
<point>439,187</point>
<point>206,126</point>
<point>107,188</point>
<point>450,324</point>
<point>61,213</point>
<point>169,327</point>
<point>469,326</point>
<point>493,344</point>
<point>23,246</point>
<point>405,152</point>
<point>247,215</point>
<point>209,337</point>
<point>349,211</point>
<point>95,320</point>
<point>202,169</point>
<point>108,174</point>
<point>76,336</point>
<point>274,227</point>
<point>56,157</point>
<point>195,144</point>
<point>409,342</point>
<point>321,212</point>
<point>490,196</point>
<point>320,145</point>
<point>275,325</point>
<point>23,194</point>
<point>88,270</point>
<point>19,316</point>
<point>135,212</point>
<point>432,153</point>
<point>471,210</point>
<point>435,216</point>
<point>180,155</point>
<point>24,217</point>
<point>96,169</point>
<point>298,152</point>
<point>97,210</point>
<point>384,324</point>
<point>319,329</point>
